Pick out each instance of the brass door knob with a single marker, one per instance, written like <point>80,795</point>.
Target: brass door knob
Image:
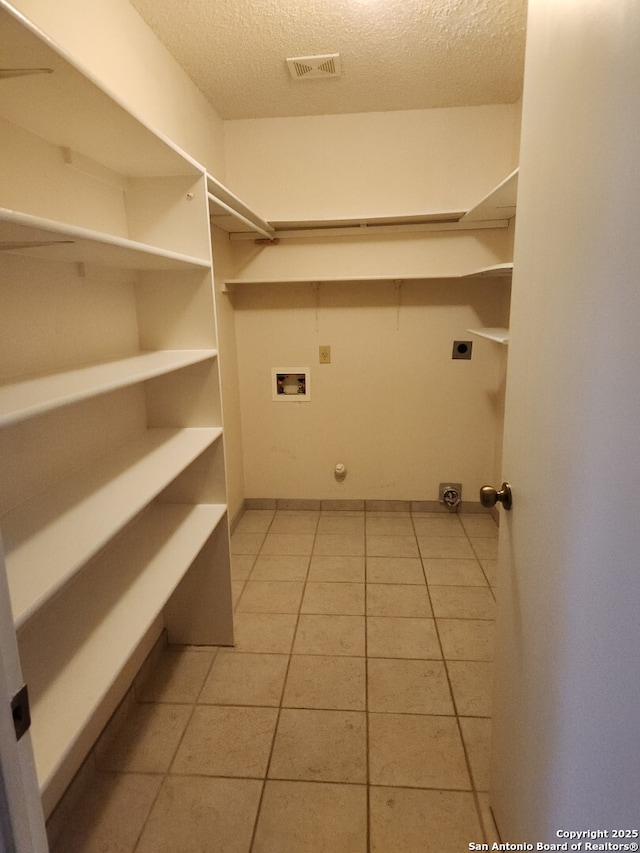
<point>490,497</point>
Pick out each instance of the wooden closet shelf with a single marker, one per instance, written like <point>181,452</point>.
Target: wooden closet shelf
<point>495,271</point>
<point>500,203</point>
<point>50,537</point>
<point>70,104</point>
<point>29,397</point>
<point>36,237</point>
<point>499,335</point>
<point>231,214</point>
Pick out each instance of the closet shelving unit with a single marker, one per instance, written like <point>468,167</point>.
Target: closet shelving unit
<point>112,486</point>
<point>500,202</point>
<point>493,211</point>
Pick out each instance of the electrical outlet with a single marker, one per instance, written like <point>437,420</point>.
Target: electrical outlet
<point>462,349</point>
<point>324,355</point>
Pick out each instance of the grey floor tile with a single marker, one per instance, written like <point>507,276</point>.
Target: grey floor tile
<point>307,817</point>
<point>339,545</point>
<point>445,547</point>
<point>255,521</point>
<point>264,632</point>
<point>476,733</point>
<point>467,639</point>
<point>246,543</point>
<point>207,815</point>
<point>320,746</point>
<point>462,602</point>
<point>294,523</point>
<point>480,526</point>
<point>484,548</point>
<point>331,682</point>
<point>238,678</point>
<point>397,600</point>
<point>472,686</point>
<point>408,686</point>
<point>335,525</point>
<point>407,570</point>
<point>110,815</point>
<point>226,741</point>
<point>408,821</point>
<point>447,525</point>
<point>330,635</point>
<point>346,599</point>
<point>454,572</point>
<point>337,569</point>
<point>388,525</point>
<point>146,741</point>
<point>416,752</point>
<point>390,637</point>
<point>177,676</point>
<point>280,567</point>
<point>271,597</point>
<point>286,544</point>
<point>392,546</point>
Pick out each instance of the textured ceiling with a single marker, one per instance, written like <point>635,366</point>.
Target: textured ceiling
<point>395,54</point>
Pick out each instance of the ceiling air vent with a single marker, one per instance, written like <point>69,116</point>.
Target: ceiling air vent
<point>314,67</point>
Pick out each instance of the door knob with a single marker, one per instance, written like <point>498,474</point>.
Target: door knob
<point>490,496</point>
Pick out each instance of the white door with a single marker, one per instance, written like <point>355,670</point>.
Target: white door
<point>22,827</point>
<point>566,755</point>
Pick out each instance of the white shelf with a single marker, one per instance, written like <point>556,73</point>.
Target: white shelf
<point>499,335</point>
<point>500,203</point>
<point>333,279</point>
<point>36,237</point>
<point>34,396</point>
<point>49,538</point>
<point>231,214</point>
<point>70,108</point>
<point>495,271</point>
<point>112,607</point>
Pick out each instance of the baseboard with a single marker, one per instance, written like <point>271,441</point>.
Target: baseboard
<point>365,505</point>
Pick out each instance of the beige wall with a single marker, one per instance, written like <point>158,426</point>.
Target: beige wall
<point>392,405</point>
<point>111,41</point>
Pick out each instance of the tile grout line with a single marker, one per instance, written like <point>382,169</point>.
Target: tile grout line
<point>476,793</point>
<point>366,692</point>
<point>284,682</point>
<point>275,728</point>
<point>167,773</point>
<point>453,698</point>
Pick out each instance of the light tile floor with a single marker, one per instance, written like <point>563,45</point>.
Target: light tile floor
<point>352,716</point>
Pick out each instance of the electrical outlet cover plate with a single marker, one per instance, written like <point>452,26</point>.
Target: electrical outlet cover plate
<point>462,349</point>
